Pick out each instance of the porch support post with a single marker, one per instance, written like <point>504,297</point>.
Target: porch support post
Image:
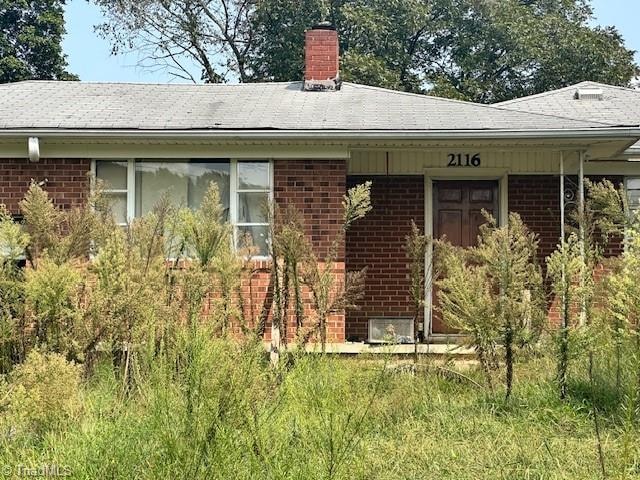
<point>562,197</point>
<point>583,309</point>
<point>428,261</point>
<point>563,299</point>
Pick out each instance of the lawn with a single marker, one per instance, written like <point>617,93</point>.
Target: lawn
<point>222,412</point>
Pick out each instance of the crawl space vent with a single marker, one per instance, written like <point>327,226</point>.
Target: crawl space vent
<point>390,330</point>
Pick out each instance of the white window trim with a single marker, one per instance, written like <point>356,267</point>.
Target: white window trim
<point>116,190</point>
<point>626,185</point>
<point>235,194</point>
<point>234,191</point>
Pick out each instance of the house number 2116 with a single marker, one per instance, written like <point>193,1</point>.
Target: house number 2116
<point>463,160</point>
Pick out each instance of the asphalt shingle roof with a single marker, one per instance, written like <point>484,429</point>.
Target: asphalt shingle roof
<point>278,106</point>
<point>619,105</point>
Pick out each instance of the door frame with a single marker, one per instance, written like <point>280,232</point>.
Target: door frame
<point>435,174</point>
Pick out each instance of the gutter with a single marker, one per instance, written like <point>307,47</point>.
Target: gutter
<point>210,134</point>
<point>633,150</point>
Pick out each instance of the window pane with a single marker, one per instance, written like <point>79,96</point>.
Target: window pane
<point>201,174</point>
<point>113,174</point>
<point>258,236</point>
<point>253,175</point>
<point>633,183</point>
<point>634,199</point>
<point>251,207</point>
<point>184,182</point>
<point>118,205</point>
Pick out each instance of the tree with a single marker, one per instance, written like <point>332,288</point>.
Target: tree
<point>378,39</point>
<point>183,35</point>
<point>30,41</point>
<point>493,51</point>
<point>479,51</point>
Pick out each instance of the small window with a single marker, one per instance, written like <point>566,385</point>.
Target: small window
<point>114,177</point>
<point>253,195</point>
<point>633,193</point>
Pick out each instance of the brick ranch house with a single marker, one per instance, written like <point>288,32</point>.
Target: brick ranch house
<point>432,160</point>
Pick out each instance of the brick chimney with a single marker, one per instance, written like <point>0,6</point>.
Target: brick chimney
<point>321,58</point>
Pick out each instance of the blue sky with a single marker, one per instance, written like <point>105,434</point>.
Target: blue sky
<point>89,56</point>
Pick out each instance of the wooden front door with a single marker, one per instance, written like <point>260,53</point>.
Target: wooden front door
<point>457,215</point>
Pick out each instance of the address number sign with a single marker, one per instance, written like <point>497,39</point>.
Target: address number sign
<point>463,160</point>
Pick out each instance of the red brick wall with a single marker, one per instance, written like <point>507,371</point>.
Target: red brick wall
<point>377,242</point>
<point>537,199</point>
<point>67,180</point>
<point>316,188</point>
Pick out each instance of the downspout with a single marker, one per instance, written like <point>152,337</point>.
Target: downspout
<point>33,147</point>
<point>562,220</point>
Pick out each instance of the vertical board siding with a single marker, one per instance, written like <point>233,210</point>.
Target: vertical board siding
<point>413,162</point>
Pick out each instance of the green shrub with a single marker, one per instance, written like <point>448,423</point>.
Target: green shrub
<point>42,393</point>
<point>53,307</point>
<point>494,292</point>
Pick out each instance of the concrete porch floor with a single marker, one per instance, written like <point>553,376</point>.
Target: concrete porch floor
<point>354,348</point>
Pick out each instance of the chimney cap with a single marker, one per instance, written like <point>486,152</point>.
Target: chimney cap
<point>325,25</point>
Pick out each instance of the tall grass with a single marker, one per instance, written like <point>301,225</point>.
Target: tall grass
<point>126,365</point>
<point>223,412</point>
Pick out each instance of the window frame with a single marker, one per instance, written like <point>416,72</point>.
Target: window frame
<point>631,212</point>
<point>627,179</point>
<point>116,191</point>
<point>234,190</point>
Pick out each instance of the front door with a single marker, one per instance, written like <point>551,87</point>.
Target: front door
<point>457,215</point>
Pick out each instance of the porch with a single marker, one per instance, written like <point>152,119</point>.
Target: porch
<point>409,185</point>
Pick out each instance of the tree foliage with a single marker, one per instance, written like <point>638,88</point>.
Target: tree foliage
<point>214,35</point>
<point>480,51</point>
<point>30,41</point>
